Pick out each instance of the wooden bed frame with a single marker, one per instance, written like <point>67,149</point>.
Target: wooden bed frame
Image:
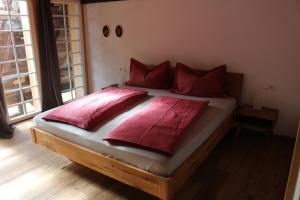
<point>159,186</point>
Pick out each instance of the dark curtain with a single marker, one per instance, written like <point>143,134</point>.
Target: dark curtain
<point>50,76</point>
<point>5,130</point>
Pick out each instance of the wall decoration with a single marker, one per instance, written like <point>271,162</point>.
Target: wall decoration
<point>119,31</point>
<point>105,31</point>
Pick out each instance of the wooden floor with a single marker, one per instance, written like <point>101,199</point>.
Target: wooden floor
<point>249,168</point>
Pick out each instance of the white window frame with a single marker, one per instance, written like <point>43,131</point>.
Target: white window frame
<point>16,61</point>
<point>81,47</point>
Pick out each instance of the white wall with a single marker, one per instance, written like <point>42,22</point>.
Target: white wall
<point>260,38</point>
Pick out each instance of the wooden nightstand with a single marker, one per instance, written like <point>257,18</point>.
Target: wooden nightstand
<point>263,120</point>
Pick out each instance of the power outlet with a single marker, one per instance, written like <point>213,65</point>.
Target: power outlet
<point>123,69</point>
<point>268,87</point>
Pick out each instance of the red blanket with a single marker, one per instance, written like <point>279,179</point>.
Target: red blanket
<point>95,108</point>
<point>160,126</point>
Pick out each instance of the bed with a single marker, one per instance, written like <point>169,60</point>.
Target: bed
<point>148,171</point>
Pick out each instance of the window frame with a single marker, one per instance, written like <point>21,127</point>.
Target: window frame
<point>33,16</point>
<point>18,75</point>
<point>81,43</point>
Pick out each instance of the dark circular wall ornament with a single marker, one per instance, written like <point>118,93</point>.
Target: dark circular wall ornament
<point>119,31</point>
<point>105,31</point>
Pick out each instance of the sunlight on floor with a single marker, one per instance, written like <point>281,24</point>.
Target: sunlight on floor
<point>4,153</point>
<point>25,185</point>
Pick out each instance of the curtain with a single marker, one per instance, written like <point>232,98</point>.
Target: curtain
<point>5,130</point>
<point>50,75</point>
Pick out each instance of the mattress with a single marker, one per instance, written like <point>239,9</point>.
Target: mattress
<point>218,109</point>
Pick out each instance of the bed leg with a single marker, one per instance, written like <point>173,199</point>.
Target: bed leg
<point>33,135</point>
<point>166,192</point>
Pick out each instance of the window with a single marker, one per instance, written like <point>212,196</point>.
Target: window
<point>17,64</point>
<point>66,20</point>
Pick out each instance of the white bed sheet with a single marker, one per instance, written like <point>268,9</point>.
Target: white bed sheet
<point>218,110</point>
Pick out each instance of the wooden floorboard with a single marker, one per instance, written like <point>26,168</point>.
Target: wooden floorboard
<point>249,168</point>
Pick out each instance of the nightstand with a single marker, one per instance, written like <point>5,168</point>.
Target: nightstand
<point>263,120</point>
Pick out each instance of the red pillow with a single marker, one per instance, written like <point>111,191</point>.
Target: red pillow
<point>157,77</point>
<point>210,84</point>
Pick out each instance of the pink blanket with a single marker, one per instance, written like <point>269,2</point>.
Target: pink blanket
<point>91,110</point>
<point>160,126</point>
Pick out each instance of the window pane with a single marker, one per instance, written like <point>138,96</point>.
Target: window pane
<point>65,84</point>
<point>15,111</point>
<point>8,69</point>
<point>66,96</point>
<point>26,66</point>
<point>72,22</point>
<point>12,97</point>
<point>73,34</point>
<point>60,35</point>
<point>27,94</point>
<point>4,8</point>
<point>10,84</point>
<point>57,9</point>
<point>15,23</point>
<point>62,59</point>
<point>24,52</point>
<point>71,9</point>
<point>62,55</point>
<point>21,52</point>
<point>75,58</point>
<point>22,37</point>
<point>61,47</point>
<point>5,39</point>
<point>74,46</point>
<point>19,23</point>
<point>18,7</point>
<point>4,23</point>
<point>30,93</point>
<point>58,22</point>
<point>77,82</point>
<point>79,92</point>
<point>62,62</point>
<point>64,72</point>
<point>24,80</point>
<point>76,70</point>
<point>28,80</point>
<point>6,54</point>
<point>33,106</point>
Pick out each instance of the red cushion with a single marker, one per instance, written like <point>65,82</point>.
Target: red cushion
<point>158,77</point>
<point>188,82</point>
